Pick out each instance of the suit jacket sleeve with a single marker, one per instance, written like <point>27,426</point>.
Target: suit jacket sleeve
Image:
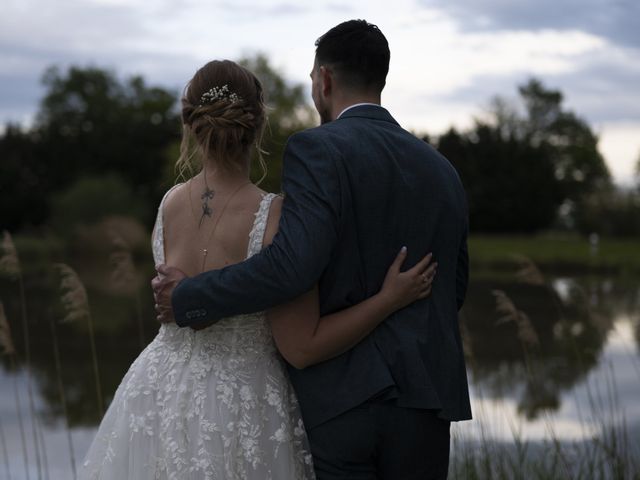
<point>298,255</point>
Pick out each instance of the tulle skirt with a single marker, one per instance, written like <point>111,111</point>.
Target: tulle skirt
<point>212,404</point>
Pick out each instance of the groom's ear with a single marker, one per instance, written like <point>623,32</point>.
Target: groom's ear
<point>326,77</point>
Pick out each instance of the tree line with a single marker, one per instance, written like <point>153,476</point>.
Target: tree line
<point>101,145</point>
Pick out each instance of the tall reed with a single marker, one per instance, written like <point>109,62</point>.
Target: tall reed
<point>63,398</point>
<point>10,267</point>
<point>76,304</point>
<point>7,467</point>
<point>45,458</point>
<point>8,349</point>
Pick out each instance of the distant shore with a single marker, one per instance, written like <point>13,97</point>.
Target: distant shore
<point>556,253</point>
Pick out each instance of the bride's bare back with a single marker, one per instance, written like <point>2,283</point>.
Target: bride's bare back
<point>224,234</point>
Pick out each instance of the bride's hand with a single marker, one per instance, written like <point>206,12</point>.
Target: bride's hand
<point>402,288</point>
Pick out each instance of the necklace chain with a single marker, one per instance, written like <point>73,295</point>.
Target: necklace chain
<point>205,251</point>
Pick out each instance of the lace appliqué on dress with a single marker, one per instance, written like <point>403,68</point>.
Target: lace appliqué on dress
<point>211,404</point>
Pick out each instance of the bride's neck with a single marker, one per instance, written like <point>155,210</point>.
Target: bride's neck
<point>217,177</point>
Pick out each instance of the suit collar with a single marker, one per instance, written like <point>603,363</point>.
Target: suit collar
<point>374,112</point>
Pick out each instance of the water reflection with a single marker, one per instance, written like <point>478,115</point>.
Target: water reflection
<point>579,322</point>
<point>117,332</point>
<point>572,318</point>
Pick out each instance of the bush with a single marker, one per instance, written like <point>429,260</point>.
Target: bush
<point>610,213</point>
<point>91,199</point>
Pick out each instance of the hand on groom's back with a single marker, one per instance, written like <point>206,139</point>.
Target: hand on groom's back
<point>163,285</point>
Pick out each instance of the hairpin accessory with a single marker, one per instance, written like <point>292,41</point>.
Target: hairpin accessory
<point>218,93</point>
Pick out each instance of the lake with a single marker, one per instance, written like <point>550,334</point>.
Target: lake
<point>551,360</point>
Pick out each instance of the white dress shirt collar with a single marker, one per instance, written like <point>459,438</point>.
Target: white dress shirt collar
<point>357,105</point>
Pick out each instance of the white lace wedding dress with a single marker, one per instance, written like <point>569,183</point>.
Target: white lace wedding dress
<point>208,404</point>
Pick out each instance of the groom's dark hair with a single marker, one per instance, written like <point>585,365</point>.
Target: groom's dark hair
<point>357,52</point>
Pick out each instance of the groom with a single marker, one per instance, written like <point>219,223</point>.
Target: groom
<point>357,189</point>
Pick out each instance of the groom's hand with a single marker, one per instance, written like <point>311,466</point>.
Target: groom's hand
<point>163,284</point>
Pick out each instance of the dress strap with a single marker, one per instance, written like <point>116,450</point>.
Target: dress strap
<point>157,238</point>
<point>256,236</point>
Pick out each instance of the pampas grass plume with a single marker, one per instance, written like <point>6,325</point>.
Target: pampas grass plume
<point>528,272</point>
<point>74,296</point>
<point>9,263</point>
<point>76,304</point>
<point>505,306</point>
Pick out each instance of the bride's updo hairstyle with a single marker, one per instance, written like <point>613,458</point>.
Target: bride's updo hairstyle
<point>223,116</point>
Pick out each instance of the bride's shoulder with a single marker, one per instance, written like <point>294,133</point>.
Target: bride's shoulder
<point>173,197</point>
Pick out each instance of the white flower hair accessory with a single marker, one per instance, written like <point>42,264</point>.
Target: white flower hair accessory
<point>218,93</point>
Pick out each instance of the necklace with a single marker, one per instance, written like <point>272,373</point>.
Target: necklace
<point>205,251</point>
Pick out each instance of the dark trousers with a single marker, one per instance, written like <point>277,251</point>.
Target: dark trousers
<point>380,441</point>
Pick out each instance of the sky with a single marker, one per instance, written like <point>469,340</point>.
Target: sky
<point>448,57</point>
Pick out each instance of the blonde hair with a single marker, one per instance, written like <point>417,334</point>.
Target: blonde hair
<point>221,128</point>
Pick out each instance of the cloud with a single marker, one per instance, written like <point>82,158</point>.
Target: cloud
<point>605,90</point>
<point>66,27</point>
<point>261,11</point>
<point>615,20</point>
<point>600,90</point>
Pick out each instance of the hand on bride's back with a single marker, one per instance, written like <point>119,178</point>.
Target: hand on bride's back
<point>163,285</point>
<point>403,288</point>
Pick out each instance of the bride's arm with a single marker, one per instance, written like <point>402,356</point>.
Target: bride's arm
<point>303,338</point>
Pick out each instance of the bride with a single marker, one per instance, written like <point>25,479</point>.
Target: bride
<point>216,403</point>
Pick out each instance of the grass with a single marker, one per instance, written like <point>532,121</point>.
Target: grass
<point>569,253</point>
<point>608,454</point>
<point>566,253</point>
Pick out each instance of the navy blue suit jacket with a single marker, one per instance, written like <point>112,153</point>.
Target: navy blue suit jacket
<point>356,190</point>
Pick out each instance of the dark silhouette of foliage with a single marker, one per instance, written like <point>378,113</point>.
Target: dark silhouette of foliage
<point>92,124</point>
<point>89,123</point>
<point>25,181</point>
<point>519,169</point>
<point>509,183</point>
<point>610,212</point>
<point>573,147</point>
<point>288,112</point>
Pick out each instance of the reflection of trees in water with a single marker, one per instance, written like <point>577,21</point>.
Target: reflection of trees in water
<point>631,293</point>
<point>117,335</point>
<point>571,321</point>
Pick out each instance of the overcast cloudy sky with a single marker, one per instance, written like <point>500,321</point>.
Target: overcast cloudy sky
<point>448,57</point>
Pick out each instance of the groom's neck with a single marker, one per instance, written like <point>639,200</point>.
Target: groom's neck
<point>340,102</point>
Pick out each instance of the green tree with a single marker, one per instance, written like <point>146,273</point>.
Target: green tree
<point>520,168</point>
<point>24,180</point>
<point>573,147</point>
<point>89,123</point>
<point>509,183</point>
<point>288,112</point>
<point>613,213</point>
<point>93,123</point>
